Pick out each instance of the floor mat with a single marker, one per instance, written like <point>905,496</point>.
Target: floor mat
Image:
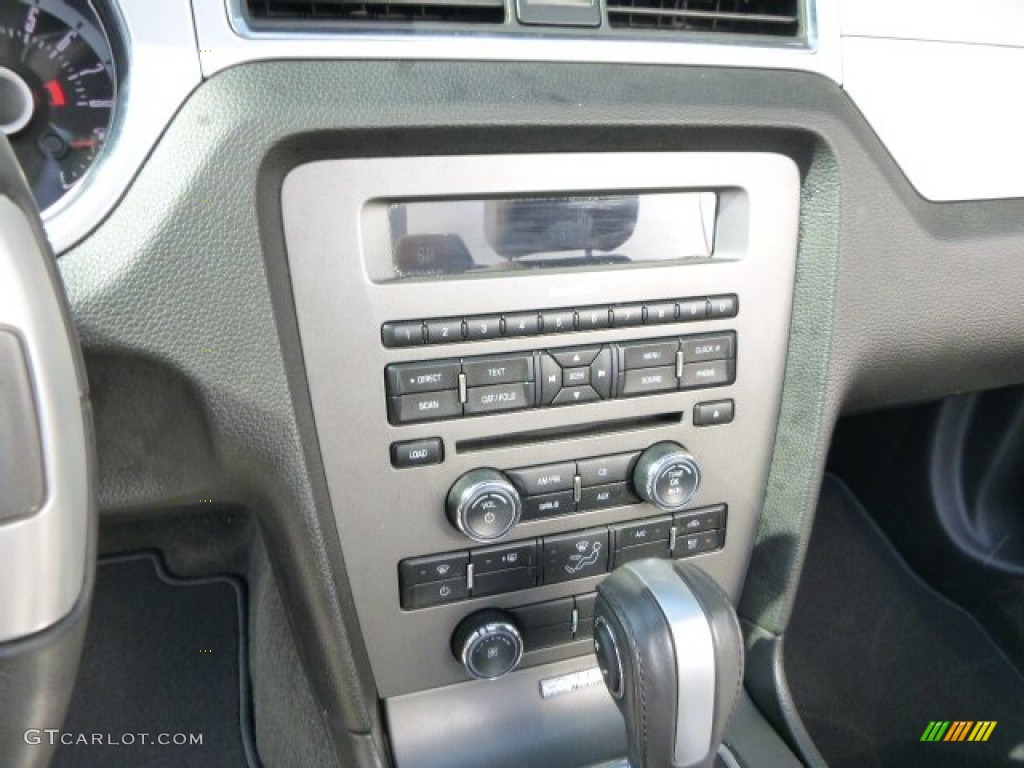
<point>163,668</point>
<point>873,656</point>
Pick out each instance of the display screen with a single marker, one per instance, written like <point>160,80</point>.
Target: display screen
<point>449,237</point>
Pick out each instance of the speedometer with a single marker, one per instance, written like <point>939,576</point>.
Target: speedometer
<point>57,90</point>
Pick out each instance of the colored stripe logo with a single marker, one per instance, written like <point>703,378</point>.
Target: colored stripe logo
<point>958,730</point>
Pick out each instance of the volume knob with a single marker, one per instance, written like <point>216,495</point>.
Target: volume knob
<point>483,504</point>
<point>667,476</point>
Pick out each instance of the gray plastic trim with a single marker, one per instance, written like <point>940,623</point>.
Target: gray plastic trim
<point>507,723</point>
<point>694,651</point>
<point>225,39</point>
<point>334,235</point>
<point>162,70</point>
<point>43,556</point>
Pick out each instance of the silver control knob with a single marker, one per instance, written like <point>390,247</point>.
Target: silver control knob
<point>483,504</point>
<point>667,476</point>
<point>488,644</point>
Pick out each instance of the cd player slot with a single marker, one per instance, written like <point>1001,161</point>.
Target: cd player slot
<point>553,434</point>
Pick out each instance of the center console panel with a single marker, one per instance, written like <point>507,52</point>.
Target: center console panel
<point>526,370</point>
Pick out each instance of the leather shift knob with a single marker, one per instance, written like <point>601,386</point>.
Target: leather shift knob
<point>670,648</point>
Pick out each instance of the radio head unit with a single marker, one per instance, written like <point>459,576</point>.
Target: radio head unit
<point>564,362</point>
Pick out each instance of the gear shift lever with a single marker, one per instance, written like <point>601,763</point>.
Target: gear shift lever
<point>670,649</point>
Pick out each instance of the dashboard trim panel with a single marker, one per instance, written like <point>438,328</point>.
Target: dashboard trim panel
<point>225,39</point>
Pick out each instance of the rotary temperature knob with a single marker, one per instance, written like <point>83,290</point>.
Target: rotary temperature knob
<point>488,644</point>
<point>483,504</point>
<point>667,476</point>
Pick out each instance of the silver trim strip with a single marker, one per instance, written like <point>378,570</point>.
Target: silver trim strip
<point>42,557</point>
<point>574,681</point>
<point>695,658</point>
<point>163,69</point>
<point>225,39</point>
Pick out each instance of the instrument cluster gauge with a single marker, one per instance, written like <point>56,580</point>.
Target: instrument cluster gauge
<point>58,90</point>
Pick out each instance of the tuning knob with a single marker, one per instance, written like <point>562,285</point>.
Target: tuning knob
<point>483,504</point>
<point>488,644</point>
<point>667,476</point>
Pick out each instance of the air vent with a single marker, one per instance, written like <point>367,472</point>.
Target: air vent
<point>308,12</point>
<point>777,18</point>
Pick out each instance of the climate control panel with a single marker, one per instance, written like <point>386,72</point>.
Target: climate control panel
<point>451,577</point>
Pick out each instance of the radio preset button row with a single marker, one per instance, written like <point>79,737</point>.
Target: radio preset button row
<point>479,327</point>
<point>456,576</point>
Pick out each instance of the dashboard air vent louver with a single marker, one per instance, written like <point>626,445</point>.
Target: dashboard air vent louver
<point>777,18</point>
<point>304,12</point>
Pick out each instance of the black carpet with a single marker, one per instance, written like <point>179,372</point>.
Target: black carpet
<point>873,655</point>
<point>163,661</point>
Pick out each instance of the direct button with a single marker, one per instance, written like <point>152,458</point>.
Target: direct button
<point>417,453</point>
<point>429,406</point>
<point>548,478</point>
<point>483,371</point>
<point>501,397</point>
<point>410,378</point>
<point>646,381</point>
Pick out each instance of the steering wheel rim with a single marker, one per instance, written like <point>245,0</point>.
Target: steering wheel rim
<point>47,470</point>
